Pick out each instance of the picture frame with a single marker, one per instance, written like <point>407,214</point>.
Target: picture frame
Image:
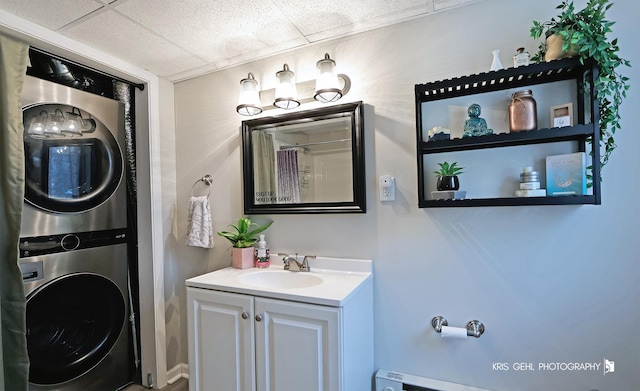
<point>562,115</point>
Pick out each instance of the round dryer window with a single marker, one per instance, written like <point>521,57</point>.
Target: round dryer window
<point>72,160</point>
<point>72,324</point>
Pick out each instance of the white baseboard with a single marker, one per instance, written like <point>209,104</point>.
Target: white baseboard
<point>176,373</point>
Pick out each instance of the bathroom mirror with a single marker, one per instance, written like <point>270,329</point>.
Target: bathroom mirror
<point>305,162</point>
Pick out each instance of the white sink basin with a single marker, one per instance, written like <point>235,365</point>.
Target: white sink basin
<point>331,281</point>
<point>280,279</point>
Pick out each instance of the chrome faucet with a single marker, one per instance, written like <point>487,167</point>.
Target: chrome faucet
<point>296,266</point>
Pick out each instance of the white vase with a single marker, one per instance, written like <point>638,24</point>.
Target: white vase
<point>496,65</point>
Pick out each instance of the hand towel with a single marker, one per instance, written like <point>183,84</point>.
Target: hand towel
<point>199,228</point>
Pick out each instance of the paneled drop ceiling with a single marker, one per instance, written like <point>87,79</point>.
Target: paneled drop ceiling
<point>180,39</point>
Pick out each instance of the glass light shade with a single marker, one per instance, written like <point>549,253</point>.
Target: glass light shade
<point>72,123</point>
<point>55,123</point>
<point>327,83</point>
<point>286,92</point>
<point>249,102</point>
<point>38,124</point>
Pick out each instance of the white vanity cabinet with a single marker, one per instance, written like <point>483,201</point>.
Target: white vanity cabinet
<point>248,342</point>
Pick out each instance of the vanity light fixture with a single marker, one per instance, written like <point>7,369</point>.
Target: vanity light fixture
<point>286,92</point>
<point>60,125</point>
<point>249,103</point>
<point>329,87</point>
<point>327,84</point>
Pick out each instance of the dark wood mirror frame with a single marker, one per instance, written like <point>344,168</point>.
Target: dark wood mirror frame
<point>353,111</point>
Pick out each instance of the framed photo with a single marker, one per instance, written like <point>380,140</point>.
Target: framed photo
<point>562,115</point>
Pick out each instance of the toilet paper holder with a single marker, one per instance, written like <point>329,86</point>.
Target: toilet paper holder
<point>475,328</point>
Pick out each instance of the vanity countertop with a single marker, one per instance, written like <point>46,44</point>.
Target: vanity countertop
<point>331,281</point>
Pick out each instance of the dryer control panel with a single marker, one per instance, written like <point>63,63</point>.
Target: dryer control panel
<point>51,244</point>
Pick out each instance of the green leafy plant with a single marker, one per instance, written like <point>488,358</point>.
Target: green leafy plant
<point>243,236</point>
<point>586,31</point>
<point>447,169</point>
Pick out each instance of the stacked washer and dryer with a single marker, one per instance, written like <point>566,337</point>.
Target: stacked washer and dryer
<point>73,246</point>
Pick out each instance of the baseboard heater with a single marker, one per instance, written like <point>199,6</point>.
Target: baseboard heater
<point>396,381</point>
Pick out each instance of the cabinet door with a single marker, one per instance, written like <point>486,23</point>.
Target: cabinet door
<point>297,347</point>
<point>221,335</point>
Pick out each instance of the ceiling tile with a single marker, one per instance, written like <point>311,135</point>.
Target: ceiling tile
<point>187,38</point>
<point>118,36</point>
<point>198,26</point>
<point>324,15</point>
<point>50,14</point>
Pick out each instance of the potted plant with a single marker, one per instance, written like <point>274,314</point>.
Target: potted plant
<point>584,33</point>
<point>448,176</point>
<point>243,240</point>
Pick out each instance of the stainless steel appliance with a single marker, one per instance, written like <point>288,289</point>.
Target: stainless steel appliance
<point>73,243</point>
<point>73,160</point>
<point>78,311</point>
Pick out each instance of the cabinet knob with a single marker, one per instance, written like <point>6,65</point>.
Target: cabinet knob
<point>258,318</point>
<point>245,315</point>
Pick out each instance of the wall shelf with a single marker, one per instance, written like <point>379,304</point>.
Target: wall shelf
<point>585,130</point>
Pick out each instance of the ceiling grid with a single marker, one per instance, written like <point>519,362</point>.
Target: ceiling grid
<point>178,40</point>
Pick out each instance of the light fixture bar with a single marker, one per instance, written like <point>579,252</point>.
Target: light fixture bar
<point>328,87</point>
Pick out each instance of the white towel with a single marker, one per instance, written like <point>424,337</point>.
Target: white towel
<point>199,228</point>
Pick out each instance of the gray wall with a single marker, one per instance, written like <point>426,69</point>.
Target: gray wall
<point>551,284</point>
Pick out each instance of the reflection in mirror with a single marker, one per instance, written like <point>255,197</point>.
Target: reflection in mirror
<point>306,162</point>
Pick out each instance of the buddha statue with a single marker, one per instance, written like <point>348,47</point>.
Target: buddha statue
<point>475,125</point>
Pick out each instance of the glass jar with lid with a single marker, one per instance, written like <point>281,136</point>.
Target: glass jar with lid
<point>522,112</point>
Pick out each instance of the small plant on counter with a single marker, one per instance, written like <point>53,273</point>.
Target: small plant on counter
<point>244,236</point>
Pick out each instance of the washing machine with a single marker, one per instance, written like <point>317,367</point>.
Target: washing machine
<point>79,320</point>
<point>74,161</point>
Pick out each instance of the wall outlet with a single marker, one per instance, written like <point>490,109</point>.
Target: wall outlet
<point>387,188</point>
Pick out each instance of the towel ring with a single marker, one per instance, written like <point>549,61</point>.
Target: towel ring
<point>207,179</point>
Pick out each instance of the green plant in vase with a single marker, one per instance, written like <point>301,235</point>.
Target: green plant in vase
<point>584,33</point>
<point>243,237</point>
<point>448,176</point>
<point>243,240</point>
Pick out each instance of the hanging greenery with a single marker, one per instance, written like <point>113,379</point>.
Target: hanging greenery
<point>585,31</point>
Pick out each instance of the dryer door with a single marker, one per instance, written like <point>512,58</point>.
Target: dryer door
<point>72,324</point>
<point>72,161</point>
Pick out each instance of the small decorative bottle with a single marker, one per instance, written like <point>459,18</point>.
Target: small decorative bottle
<point>521,58</point>
<point>522,112</point>
<point>496,65</point>
<point>262,253</point>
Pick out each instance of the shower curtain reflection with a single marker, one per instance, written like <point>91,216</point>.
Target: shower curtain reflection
<point>288,183</point>
<point>264,167</point>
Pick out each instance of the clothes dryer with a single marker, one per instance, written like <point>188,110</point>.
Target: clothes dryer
<point>79,331</point>
<point>74,163</point>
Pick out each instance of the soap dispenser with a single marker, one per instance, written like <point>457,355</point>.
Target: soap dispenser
<point>262,253</point>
